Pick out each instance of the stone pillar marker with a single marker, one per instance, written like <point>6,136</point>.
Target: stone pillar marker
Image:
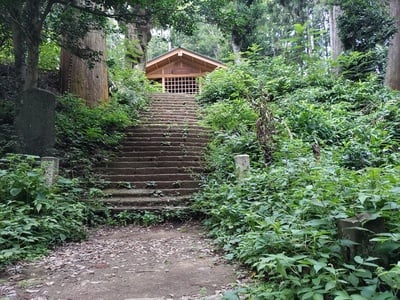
<point>35,122</point>
<point>242,166</point>
<point>50,165</point>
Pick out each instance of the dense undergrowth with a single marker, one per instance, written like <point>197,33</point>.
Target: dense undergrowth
<point>34,217</point>
<point>335,156</point>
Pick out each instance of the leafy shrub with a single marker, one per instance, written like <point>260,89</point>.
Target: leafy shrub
<point>230,115</point>
<point>227,84</point>
<point>84,133</point>
<point>281,220</point>
<point>34,217</point>
<point>130,87</point>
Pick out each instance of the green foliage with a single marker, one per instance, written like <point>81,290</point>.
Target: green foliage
<point>131,87</point>
<point>365,24</point>
<point>84,133</point>
<point>227,84</point>
<point>49,58</point>
<point>365,28</point>
<point>281,220</point>
<point>34,217</point>
<point>230,115</point>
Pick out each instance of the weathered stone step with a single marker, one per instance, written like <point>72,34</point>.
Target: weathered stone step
<point>150,192</point>
<point>162,148</point>
<point>161,153</point>
<point>166,138</point>
<point>171,118</point>
<point>157,132</point>
<point>152,164</point>
<point>164,143</point>
<point>154,209</point>
<point>182,123</point>
<point>187,158</point>
<point>154,184</point>
<point>149,177</point>
<point>151,170</point>
<point>148,201</point>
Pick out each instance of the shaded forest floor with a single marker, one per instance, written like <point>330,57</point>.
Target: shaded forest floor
<point>167,261</point>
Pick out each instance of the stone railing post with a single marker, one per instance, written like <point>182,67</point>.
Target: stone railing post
<point>50,165</point>
<point>242,166</point>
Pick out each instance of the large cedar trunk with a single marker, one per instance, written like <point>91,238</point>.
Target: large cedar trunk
<point>19,48</point>
<point>83,78</point>
<point>336,43</point>
<point>392,78</point>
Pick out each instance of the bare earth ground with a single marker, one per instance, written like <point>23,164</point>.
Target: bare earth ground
<point>167,261</point>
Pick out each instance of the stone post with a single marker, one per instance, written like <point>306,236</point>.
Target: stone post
<point>359,230</point>
<point>242,166</point>
<point>50,165</point>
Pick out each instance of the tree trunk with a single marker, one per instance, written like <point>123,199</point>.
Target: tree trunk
<point>138,36</point>
<point>33,37</point>
<point>236,44</point>
<point>392,78</point>
<point>19,48</point>
<point>336,43</point>
<point>83,78</point>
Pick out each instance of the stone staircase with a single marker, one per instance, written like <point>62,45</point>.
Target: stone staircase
<point>158,166</point>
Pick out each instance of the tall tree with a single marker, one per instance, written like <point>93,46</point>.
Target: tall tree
<point>177,14</point>
<point>365,28</point>
<point>392,78</point>
<point>237,19</point>
<point>335,42</point>
<point>86,78</point>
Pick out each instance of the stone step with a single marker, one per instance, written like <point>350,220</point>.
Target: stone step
<point>166,138</point>
<point>161,153</point>
<point>149,192</point>
<point>165,117</point>
<point>160,159</point>
<point>154,209</point>
<point>147,201</point>
<point>162,148</point>
<point>150,132</point>
<point>182,143</point>
<point>149,177</point>
<point>151,164</point>
<point>154,184</point>
<point>150,170</point>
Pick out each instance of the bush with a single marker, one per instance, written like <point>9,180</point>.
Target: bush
<point>34,217</point>
<point>335,156</point>
<point>226,84</point>
<point>85,134</point>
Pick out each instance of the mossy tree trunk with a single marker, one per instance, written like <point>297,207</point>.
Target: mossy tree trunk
<point>84,72</point>
<point>392,78</point>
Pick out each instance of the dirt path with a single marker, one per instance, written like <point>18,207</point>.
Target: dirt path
<point>162,262</point>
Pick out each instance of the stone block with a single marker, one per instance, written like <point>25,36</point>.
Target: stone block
<point>242,166</point>
<point>35,122</point>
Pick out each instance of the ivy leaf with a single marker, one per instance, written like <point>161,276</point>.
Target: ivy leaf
<point>318,266</point>
<point>318,297</point>
<point>15,191</point>
<point>358,259</point>
<point>330,285</point>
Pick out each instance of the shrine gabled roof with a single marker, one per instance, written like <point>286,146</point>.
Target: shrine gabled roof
<point>182,53</point>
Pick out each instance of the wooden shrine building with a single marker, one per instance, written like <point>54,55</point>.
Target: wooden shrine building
<point>178,70</point>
